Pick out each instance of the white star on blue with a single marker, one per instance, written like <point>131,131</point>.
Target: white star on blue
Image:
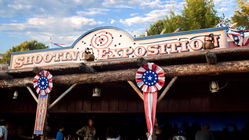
<point>43,83</point>
<point>150,77</point>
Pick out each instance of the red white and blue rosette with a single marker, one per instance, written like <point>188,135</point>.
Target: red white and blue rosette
<point>43,82</point>
<point>150,77</point>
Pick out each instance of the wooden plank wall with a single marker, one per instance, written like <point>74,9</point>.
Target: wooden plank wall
<point>185,96</point>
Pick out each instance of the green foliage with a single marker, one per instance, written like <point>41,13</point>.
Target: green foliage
<point>172,22</point>
<point>156,28</point>
<point>168,25</point>
<point>241,15</point>
<point>197,14</point>
<point>24,46</point>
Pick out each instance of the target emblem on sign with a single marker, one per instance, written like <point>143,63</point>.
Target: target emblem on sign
<point>102,40</point>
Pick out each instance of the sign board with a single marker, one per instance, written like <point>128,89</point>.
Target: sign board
<point>108,43</point>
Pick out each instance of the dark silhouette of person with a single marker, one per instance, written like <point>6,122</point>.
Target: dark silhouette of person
<point>204,134</point>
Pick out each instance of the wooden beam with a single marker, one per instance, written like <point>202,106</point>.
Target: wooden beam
<point>61,96</point>
<point>129,74</point>
<point>141,61</point>
<point>86,68</point>
<point>139,93</point>
<point>211,58</point>
<point>5,75</point>
<point>165,91</point>
<point>243,52</point>
<point>32,94</point>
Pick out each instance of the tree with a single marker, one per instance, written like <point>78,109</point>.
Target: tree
<point>167,25</point>
<point>241,15</point>
<point>172,22</point>
<point>24,46</point>
<point>199,14</point>
<point>156,28</point>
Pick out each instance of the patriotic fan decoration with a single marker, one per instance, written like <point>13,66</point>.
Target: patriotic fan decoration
<point>150,79</point>
<point>43,82</point>
<point>239,37</point>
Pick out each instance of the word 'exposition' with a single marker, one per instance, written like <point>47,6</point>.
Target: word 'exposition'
<point>155,49</point>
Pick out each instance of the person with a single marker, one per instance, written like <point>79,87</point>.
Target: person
<point>3,130</point>
<point>204,134</point>
<point>88,132</point>
<point>179,136</point>
<point>112,133</point>
<point>156,132</point>
<point>60,135</point>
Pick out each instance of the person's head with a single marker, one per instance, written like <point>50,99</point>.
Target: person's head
<point>3,122</point>
<point>90,122</point>
<point>61,129</point>
<point>112,132</point>
<point>205,127</point>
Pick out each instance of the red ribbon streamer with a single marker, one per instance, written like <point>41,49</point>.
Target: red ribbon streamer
<point>150,103</point>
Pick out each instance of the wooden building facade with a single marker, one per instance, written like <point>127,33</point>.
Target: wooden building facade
<point>113,71</point>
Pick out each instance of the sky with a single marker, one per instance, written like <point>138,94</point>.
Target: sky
<point>63,21</point>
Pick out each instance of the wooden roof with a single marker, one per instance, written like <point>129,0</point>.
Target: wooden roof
<point>230,60</point>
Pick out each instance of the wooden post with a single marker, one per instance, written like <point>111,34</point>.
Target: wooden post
<point>167,89</point>
<point>61,96</point>
<point>32,94</point>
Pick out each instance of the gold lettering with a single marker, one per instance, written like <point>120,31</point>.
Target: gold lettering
<point>196,44</point>
<point>173,47</point>
<point>184,47</point>
<point>75,55</point>
<point>163,49</point>
<point>102,54</point>
<point>28,60</point>
<point>127,52</point>
<point>140,51</point>
<point>37,59</point>
<point>18,62</point>
<point>153,50</point>
<point>58,56</point>
<point>216,41</point>
<point>48,58</point>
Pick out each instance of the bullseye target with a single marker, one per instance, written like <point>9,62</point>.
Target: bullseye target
<point>102,39</point>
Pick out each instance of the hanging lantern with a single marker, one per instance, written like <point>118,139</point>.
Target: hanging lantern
<point>96,92</point>
<point>214,86</point>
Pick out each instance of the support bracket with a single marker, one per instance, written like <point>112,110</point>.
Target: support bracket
<point>167,88</point>
<point>61,96</point>
<point>139,93</point>
<point>32,93</point>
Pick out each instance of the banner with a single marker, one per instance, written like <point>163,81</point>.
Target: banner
<point>43,84</point>
<point>41,113</point>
